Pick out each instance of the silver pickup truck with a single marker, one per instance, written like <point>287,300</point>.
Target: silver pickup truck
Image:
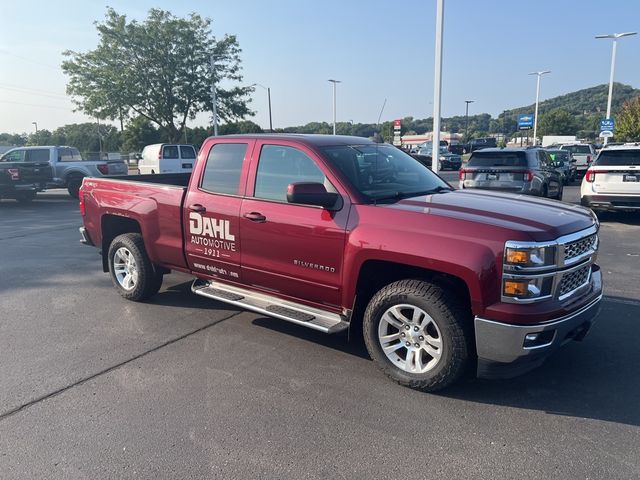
<point>583,153</point>
<point>69,168</point>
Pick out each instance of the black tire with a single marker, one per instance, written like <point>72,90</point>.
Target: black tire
<point>25,197</point>
<point>560,191</point>
<point>73,186</point>
<point>451,319</point>
<point>148,281</point>
<point>545,191</point>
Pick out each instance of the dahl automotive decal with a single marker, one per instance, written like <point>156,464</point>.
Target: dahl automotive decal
<point>215,237</point>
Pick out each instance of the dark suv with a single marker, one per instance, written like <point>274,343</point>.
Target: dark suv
<point>519,170</point>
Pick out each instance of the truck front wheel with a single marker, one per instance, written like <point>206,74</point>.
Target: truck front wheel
<point>418,335</point>
<point>131,271</point>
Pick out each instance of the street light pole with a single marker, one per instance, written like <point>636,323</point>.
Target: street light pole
<point>466,120</point>
<point>614,37</point>
<point>213,97</point>
<point>268,89</point>
<point>437,87</point>
<point>334,103</point>
<point>535,115</point>
<point>36,124</point>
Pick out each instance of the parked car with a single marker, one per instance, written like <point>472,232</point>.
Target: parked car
<point>478,144</point>
<point>564,163</point>
<point>167,158</point>
<point>583,153</point>
<point>612,182</point>
<point>446,160</point>
<point>69,168</point>
<point>516,170</point>
<point>335,233</point>
<point>23,173</point>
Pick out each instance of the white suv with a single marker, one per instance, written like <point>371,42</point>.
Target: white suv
<point>612,182</point>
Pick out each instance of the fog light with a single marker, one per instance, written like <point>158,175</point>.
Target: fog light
<point>515,289</point>
<point>539,339</point>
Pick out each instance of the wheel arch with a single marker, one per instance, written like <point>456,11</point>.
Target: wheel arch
<point>111,227</point>
<point>376,274</point>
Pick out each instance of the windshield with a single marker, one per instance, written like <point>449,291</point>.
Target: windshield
<point>383,172</point>
<point>577,148</point>
<point>618,157</point>
<point>498,159</point>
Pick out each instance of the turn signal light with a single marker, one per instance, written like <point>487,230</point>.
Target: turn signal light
<point>515,288</point>
<point>461,174</point>
<point>588,158</point>
<point>590,176</point>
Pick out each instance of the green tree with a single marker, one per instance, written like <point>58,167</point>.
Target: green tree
<point>41,137</point>
<point>628,122</point>
<point>13,139</point>
<point>556,122</point>
<point>139,133</point>
<point>246,126</point>
<point>158,69</point>
<point>87,137</point>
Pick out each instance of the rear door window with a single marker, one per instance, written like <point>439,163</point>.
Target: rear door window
<point>579,149</point>
<point>69,154</point>
<point>39,155</point>
<point>170,151</point>
<point>498,159</point>
<point>223,168</point>
<point>187,152</point>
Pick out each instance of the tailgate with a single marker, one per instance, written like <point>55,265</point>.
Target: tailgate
<point>614,180</point>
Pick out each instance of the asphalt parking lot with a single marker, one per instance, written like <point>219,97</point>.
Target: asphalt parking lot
<point>93,386</point>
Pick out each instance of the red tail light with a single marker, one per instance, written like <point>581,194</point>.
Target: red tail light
<point>588,158</point>
<point>462,173</point>
<point>14,173</point>
<point>590,176</point>
<point>82,207</point>
<point>103,168</point>
<point>528,176</point>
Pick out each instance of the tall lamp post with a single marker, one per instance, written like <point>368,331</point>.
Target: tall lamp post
<point>535,115</point>
<point>614,37</point>
<point>466,119</point>
<point>36,124</point>
<point>334,102</point>
<point>214,101</point>
<point>437,86</point>
<point>268,89</point>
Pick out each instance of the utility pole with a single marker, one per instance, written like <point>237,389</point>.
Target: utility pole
<point>614,37</point>
<point>36,124</point>
<point>535,115</point>
<point>466,120</point>
<point>334,102</point>
<point>213,97</point>
<point>268,89</point>
<point>437,87</point>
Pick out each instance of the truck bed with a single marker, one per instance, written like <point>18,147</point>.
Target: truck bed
<point>174,179</point>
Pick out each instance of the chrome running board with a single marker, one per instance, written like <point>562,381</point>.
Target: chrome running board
<point>297,313</point>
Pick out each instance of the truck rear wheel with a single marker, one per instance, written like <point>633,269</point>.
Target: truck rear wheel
<point>25,197</point>
<point>418,335</point>
<point>131,271</point>
<point>73,186</point>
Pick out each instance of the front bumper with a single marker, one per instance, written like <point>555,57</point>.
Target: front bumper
<point>611,202</point>
<point>506,350</point>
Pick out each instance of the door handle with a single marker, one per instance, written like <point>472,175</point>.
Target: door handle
<point>196,207</point>
<point>255,217</point>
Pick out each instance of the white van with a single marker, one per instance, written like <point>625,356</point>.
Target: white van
<point>166,158</point>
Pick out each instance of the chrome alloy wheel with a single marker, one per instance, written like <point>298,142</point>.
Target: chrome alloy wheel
<point>410,338</point>
<point>125,268</point>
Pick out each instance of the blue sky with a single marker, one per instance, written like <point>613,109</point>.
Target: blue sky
<point>378,49</point>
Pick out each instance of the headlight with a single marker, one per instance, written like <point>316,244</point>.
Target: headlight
<point>443,158</point>
<point>531,257</point>
<point>527,288</point>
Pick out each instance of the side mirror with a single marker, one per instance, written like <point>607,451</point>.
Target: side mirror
<point>313,193</point>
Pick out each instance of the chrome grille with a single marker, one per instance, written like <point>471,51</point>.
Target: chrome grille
<point>579,247</point>
<point>575,279</point>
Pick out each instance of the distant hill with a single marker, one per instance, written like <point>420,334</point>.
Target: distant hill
<point>584,102</point>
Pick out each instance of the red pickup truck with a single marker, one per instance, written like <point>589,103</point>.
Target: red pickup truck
<point>337,233</point>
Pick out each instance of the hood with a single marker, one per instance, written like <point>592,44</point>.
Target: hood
<point>538,218</point>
